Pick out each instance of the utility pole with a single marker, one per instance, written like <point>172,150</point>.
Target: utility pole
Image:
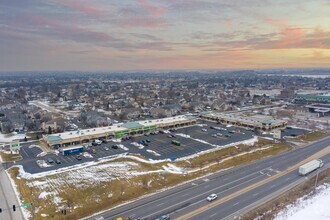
<point>317,176</point>
<point>32,211</point>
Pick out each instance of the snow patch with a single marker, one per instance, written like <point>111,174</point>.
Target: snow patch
<point>153,152</point>
<point>306,207</point>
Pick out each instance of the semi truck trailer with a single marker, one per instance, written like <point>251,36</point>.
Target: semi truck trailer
<point>310,167</point>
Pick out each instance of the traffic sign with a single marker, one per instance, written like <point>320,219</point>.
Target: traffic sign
<point>26,204</point>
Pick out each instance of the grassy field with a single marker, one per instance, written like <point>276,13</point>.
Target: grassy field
<point>313,136</point>
<point>10,157</point>
<point>106,185</point>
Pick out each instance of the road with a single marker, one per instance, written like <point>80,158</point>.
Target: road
<point>8,198</point>
<point>191,196</point>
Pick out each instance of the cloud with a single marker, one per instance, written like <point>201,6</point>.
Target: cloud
<point>158,11</point>
<point>80,6</point>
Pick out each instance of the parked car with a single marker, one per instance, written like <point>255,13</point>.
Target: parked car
<point>104,141</point>
<point>147,140</point>
<point>50,160</point>
<point>211,127</point>
<point>161,132</point>
<point>214,135</point>
<point>97,141</point>
<point>58,161</point>
<point>78,157</point>
<point>114,147</point>
<point>212,197</point>
<point>106,148</point>
<point>204,129</point>
<point>86,145</point>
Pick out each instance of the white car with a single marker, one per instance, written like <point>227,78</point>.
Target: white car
<point>212,197</point>
<point>98,142</point>
<point>204,129</point>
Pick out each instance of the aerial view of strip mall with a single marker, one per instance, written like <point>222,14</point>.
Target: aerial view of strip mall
<point>164,110</point>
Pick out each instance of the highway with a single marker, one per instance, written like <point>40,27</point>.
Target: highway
<point>188,201</point>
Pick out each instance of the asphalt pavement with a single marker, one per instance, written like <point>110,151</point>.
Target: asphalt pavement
<point>159,147</point>
<point>188,197</point>
<point>8,198</point>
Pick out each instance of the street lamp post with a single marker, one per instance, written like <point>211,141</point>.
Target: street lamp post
<point>317,176</point>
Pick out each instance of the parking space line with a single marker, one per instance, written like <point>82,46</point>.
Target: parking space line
<point>25,152</point>
<point>65,160</point>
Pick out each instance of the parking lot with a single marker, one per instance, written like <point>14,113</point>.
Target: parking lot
<point>203,136</point>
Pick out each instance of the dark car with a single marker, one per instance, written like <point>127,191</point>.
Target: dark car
<point>147,140</point>
<point>146,144</point>
<point>58,161</point>
<point>104,141</point>
<point>114,147</point>
<point>50,160</point>
<point>78,157</point>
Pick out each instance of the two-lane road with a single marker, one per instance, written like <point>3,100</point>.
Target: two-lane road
<point>188,197</point>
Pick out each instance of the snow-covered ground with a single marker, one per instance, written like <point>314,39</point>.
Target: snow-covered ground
<point>307,208</point>
<point>5,138</point>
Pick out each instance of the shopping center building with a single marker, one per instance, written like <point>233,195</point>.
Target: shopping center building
<point>116,131</point>
<point>255,122</point>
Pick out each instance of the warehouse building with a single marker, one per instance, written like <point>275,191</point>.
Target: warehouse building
<point>116,131</point>
<point>256,122</point>
<point>312,97</point>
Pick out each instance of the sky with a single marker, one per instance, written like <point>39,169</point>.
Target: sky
<point>112,35</point>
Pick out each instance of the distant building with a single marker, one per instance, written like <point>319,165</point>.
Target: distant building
<point>311,97</point>
<point>286,94</point>
<point>320,109</point>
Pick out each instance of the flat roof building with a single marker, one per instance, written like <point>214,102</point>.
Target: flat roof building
<point>311,97</point>
<point>116,131</point>
<point>320,109</point>
<point>259,122</point>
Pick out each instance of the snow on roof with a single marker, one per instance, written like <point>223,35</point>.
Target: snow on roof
<point>257,119</point>
<point>116,128</point>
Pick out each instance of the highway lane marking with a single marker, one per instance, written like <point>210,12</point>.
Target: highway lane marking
<point>255,194</point>
<point>208,192</point>
<point>200,210</point>
<point>236,204</point>
<point>160,204</point>
<point>213,215</point>
<point>185,194</point>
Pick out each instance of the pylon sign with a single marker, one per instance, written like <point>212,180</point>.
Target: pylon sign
<point>14,146</point>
